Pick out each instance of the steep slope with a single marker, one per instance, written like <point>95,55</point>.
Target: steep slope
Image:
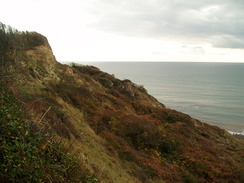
<point>28,154</point>
<point>119,132</point>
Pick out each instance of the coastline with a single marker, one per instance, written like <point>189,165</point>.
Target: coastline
<point>209,101</point>
<point>236,133</point>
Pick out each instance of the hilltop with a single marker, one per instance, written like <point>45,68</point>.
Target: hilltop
<point>118,132</point>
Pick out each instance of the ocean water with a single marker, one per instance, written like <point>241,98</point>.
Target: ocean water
<point>210,92</point>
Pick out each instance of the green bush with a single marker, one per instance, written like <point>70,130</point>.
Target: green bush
<point>27,155</point>
<point>168,146</point>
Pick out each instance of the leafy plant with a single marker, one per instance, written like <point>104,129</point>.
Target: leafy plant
<point>26,155</point>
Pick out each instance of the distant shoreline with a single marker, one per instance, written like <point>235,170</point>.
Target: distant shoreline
<point>201,90</point>
<point>236,133</point>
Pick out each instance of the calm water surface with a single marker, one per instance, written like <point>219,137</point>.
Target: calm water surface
<point>211,92</point>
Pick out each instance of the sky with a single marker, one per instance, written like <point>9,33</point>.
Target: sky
<point>134,30</point>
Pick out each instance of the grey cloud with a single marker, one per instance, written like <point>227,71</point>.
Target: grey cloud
<point>187,20</point>
<point>227,41</point>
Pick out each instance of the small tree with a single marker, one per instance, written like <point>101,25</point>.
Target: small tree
<point>4,44</point>
<point>8,44</point>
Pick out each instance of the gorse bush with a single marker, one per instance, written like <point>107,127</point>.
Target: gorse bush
<point>26,155</point>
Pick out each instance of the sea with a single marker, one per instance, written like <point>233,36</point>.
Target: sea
<point>210,92</point>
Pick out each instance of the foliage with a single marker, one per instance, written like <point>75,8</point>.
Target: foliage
<point>12,39</point>
<point>139,131</point>
<point>91,70</point>
<point>80,96</point>
<point>161,141</point>
<point>26,155</point>
<point>168,146</point>
<point>152,143</point>
<point>12,45</point>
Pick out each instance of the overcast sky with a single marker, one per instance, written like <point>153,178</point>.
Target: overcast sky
<point>134,30</point>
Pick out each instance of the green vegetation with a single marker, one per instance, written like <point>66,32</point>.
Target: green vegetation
<point>29,155</point>
<point>12,39</point>
<point>13,43</point>
<point>119,132</point>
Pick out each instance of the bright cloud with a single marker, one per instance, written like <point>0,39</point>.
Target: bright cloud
<point>134,30</point>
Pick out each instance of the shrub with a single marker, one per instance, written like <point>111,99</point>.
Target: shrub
<point>168,146</point>
<point>26,155</point>
<point>91,70</point>
<point>141,132</point>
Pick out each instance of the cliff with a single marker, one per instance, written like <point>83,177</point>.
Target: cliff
<point>117,130</point>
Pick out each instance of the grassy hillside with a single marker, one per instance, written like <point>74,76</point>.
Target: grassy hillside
<point>116,130</point>
<point>28,154</point>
